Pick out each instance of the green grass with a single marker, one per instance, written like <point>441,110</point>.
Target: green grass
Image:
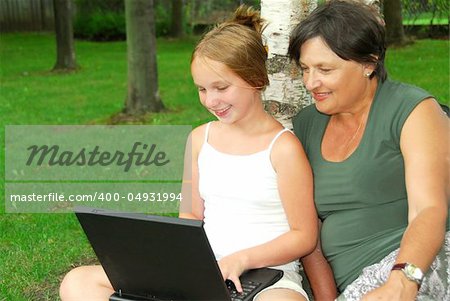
<point>424,64</point>
<point>37,249</point>
<point>96,91</point>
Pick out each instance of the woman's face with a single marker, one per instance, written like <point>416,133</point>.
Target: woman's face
<point>336,85</point>
<point>222,92</point>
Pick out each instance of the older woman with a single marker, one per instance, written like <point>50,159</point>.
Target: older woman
<point>379,150</point>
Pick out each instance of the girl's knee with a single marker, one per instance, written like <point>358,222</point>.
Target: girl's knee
<point>78,280</point>
<point>68,283</point>
<point>277,294</point>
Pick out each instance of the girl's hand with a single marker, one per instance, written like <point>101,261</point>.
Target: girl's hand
<point>232,266</point>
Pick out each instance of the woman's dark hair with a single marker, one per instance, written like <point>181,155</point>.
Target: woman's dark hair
<point>352,30</point>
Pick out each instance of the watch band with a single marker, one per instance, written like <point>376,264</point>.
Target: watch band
<point>399,266</point>
<point>410,271</point>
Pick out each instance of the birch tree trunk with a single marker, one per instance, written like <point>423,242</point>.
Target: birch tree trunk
<point>286,94</point>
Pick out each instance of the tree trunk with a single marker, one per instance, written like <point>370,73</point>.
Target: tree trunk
<point>177,19</point>
<point>65,51</point>
<point>286,94</point>
<point>395,34</point>
<point>143,93</point>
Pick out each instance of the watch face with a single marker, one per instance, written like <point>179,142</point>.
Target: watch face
<point>413,271</point>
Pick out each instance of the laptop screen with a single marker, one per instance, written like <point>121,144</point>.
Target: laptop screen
<point>163,258</point>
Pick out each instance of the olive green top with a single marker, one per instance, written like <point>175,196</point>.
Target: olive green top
<point>362,201</point>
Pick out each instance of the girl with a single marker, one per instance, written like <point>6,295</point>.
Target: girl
<point>256,204</point>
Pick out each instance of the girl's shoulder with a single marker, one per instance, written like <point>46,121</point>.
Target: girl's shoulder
<point>199,132</point>
<point>198,136</point>
<point>286,142</point>
<point>287,152</point>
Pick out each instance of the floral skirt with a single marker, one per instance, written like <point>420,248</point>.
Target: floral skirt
<point>435,285</point>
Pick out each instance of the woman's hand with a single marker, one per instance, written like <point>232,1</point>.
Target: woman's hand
<point>232,266</point>
<point>397,288</point>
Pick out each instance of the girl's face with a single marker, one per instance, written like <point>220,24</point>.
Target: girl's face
<point>222,92</point>
<point>336,85</point>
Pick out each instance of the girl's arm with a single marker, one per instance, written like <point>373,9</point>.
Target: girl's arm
<point>295,184</point>
<point>192,205</point>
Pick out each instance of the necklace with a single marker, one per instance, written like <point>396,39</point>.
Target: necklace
<point>348,143</point>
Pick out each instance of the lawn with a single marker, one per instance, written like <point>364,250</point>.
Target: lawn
<point>425,64</point>
<point>37,249</point>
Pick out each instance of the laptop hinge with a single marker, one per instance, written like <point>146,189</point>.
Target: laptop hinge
<point>118,296</point>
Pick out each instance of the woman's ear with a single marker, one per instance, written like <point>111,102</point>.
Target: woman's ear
<point>368,69</point>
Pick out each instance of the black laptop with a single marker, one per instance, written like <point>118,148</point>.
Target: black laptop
<point>157,258</point>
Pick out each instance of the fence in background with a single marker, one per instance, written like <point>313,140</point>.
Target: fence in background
<point>26,15</point>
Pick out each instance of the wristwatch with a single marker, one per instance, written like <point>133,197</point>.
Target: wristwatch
<point>411,272</point>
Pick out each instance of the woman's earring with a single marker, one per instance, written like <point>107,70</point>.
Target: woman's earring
<point>368,74</point>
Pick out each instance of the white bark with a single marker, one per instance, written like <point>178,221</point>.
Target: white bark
<point>375,3</point>
<point>286,94</point>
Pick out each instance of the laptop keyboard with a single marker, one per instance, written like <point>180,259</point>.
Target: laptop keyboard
<point>248,288</point>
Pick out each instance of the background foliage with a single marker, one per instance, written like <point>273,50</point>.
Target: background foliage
<point>426,18</point>
<point>104,20</point>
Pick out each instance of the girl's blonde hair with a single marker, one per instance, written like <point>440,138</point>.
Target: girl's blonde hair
<point>238,44</point>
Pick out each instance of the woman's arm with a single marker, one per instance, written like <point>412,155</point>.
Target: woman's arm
<point>424,143</point>
<point>294,178</point>
<point>192,206</point>
<point>319,274</point>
